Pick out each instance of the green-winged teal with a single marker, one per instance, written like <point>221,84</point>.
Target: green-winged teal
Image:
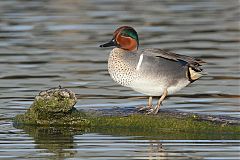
<point>153,72</point>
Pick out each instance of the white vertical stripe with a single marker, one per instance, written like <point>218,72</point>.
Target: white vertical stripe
<point>140,62</point>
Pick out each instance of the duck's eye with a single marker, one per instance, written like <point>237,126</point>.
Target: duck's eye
<point>124,35</point>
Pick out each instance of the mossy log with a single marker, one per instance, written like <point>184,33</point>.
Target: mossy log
<point>55,107</point>
<point>128,111</point>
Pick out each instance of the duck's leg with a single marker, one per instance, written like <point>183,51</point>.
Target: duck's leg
<point>148,107</point>
<point>156,109</point>
<point>149,102</point>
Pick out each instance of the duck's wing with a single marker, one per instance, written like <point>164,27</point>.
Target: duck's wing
<point>192,62</point>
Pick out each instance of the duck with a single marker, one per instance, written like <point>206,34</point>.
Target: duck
<point>153,72</point>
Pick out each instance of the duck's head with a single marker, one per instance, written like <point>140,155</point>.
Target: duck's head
<point>124,37</point>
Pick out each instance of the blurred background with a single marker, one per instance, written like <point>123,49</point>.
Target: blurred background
<point>44,44</point>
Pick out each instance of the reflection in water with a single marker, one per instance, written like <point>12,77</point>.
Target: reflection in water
<point>57,140</point>
<point>157,148</point>
<point>115,143</point>
<point>59,143</point>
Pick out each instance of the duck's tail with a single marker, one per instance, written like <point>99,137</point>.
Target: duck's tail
<point>193,74</point>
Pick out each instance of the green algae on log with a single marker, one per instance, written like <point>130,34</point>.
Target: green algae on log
<point>167,121</point>
<point>152,125</point>
<point>53,107</point>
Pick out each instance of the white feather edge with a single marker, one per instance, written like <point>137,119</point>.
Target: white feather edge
<point>139,62</point>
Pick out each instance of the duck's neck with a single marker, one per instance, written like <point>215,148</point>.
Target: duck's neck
<point>118,51</point>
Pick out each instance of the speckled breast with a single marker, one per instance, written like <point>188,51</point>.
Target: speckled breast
<point>120,67</point>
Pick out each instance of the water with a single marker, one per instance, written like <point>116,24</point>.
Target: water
<point>44,44</point>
